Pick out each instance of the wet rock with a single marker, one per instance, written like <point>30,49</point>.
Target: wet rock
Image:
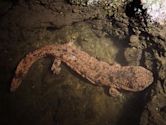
<point>154,59</point>
<point>117,25</point>
<point>78,2</point>
<point>86,2</point>
<point>161,60</point>
<point>133,55</point>
<point>148,61</point>
<point>154,113</point>
<point>134,41</point>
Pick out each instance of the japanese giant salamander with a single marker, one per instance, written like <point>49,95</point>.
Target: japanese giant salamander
<point>115,77</point>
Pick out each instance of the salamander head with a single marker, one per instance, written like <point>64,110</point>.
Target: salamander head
<point>133,78</point>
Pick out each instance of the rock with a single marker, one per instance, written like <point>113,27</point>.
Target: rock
<point>154,113</point>
<point>133,55</point>
<point>78,2</point>
<point>134,41</point>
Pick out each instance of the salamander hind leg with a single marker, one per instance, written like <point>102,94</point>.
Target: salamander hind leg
<point>56,66</point>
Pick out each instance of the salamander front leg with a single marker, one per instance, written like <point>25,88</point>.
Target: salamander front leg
<point>56,66</point>
<point>114,92</point>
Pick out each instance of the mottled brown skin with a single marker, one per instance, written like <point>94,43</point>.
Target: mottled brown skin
<point>115,77</point>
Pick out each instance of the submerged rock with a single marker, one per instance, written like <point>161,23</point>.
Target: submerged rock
<point>134,41</point>
<point>133,55</point>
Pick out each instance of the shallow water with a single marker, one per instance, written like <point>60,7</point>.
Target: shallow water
<point>68,99</point>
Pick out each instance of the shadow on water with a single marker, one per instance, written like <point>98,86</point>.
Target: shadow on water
<point>65,106</point>
<point>132,109</point>
<point>122,45</point>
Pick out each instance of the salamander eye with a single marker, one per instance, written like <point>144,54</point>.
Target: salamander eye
<point>97,81</point>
